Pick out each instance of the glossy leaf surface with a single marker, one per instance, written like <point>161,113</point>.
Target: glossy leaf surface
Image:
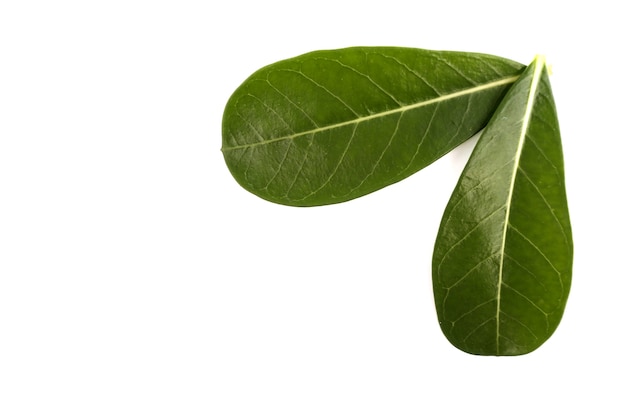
<point>330,126</point>
<point>502,262</point>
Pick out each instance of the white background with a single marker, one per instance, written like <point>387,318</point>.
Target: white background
<point>138,279</point>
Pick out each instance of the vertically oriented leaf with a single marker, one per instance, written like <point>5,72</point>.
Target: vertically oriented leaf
<point>330,126</point>
<point>502,261</point>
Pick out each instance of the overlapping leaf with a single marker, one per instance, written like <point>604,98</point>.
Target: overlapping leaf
<point>330,126</point>
<point>502,262</point>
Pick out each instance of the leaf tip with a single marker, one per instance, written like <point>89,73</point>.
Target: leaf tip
<point>540,61</point>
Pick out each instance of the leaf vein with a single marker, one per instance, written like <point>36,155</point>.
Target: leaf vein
<point>519,264</point>
<point>382,114</point>
<point>525,297</point>
<point>337,166</point>
<point>413,72</point>
<point>458,71</point>
<point>480,183</point>
<point>473,309</point>
<point>316,83</point>
<point>547,203</point>
<point>293,104</point>
<point>468,273</point>
<point>531,243</point>
<point>467,336</point>
<point>366,76</point>
<point>382,154</point>
<point>520,323</point>
<point>466,235</point>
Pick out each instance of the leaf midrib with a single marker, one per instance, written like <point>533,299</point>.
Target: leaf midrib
<point>539,65</point>
<point>401,109</point>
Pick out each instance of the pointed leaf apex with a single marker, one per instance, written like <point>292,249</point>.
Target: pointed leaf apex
<point>540,61</point>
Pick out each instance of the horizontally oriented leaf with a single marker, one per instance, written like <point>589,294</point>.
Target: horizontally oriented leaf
<point>330,126</point>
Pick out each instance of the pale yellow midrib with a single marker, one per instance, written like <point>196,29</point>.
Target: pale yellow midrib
<point>483,87</point>
<point>539,65</point>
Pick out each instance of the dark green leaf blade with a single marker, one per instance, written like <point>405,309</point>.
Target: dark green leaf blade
<point>502,262</point>
<point>330,126</point>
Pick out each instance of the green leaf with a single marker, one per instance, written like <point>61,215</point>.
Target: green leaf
<point>330,126</point>
<point>502,261</point>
